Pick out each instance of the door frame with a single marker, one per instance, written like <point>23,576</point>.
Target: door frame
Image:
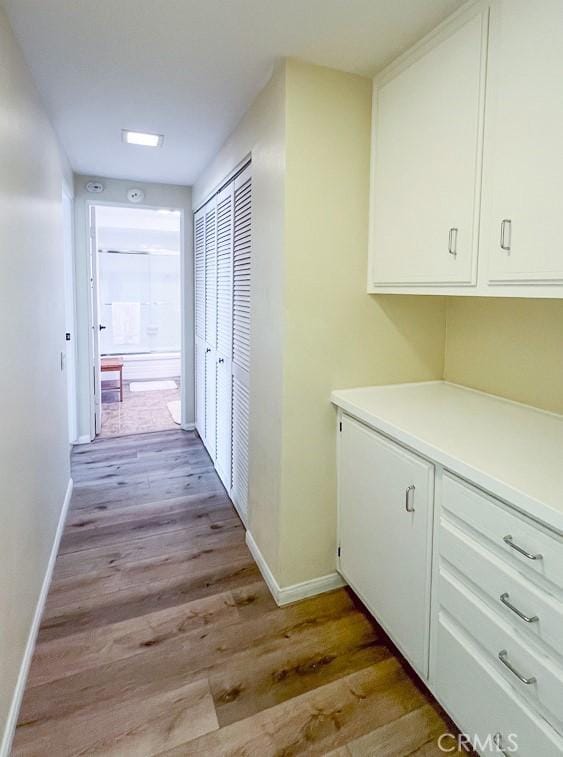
<point>93,292</point>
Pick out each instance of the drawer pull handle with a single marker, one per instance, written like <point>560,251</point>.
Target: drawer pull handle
<point>503,657</point>
<point>409,498</point>
<point>508,540</point>
<point>504,599</point>
<point>452,241</point>
<point>506,224</point>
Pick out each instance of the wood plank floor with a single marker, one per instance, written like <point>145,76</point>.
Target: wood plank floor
<point>160,637</point>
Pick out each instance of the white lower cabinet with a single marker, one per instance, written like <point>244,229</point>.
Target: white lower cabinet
<point>385,516</point>
<point>469,588</point>
<point>492,718</point>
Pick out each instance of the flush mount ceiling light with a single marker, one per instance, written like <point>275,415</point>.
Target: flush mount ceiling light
<point>142,138</point>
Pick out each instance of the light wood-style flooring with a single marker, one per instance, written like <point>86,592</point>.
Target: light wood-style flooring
<point>160,636</point>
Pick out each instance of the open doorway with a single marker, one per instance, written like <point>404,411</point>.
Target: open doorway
<point>136,318</point>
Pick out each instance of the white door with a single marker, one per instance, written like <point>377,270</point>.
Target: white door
<point>210,400</point>
<point>521,231</point>
<point>96,422</point>
<point>425,166</point>
<point>385,497</point>
<point>225,221</point>
<point>240,387</point>
<point>199,318</point>
<point>200,387</point>
<point>210,324</point>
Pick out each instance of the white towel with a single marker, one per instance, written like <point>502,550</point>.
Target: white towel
<point>126,322</point>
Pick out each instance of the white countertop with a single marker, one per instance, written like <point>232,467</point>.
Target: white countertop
<point>513,451</point>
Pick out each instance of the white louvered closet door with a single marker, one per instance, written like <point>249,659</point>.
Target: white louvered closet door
<point>210,324</point>
<point>199,318</point>
<point>225,218</point>
<point>241,340</point>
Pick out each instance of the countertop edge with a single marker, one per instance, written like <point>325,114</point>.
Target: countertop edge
<point>526,504</point>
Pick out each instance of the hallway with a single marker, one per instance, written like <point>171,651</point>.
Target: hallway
<point>160,636</point>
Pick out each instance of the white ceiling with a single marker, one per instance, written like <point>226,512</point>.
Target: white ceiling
<point>189,69</point>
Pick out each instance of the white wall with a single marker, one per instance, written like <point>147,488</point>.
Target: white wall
<point>34,449</point>
<point>156,195</point>
<point>262,133</point>
<point>70,313</point>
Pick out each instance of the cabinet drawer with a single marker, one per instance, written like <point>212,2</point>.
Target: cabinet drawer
<point>482,705</point>
<point>495,636</point>
<point>511,533</point>
<point>495,579</point>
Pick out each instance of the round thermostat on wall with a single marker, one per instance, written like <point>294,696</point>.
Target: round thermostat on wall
<point>95,186</point>
<point>135,195</point>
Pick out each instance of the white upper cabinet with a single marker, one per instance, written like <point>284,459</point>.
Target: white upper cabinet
<point>426,162</point>
<point>467,157</point>
<point>523,170</point>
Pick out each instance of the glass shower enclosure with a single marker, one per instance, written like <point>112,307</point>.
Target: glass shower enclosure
<point>139,294</point>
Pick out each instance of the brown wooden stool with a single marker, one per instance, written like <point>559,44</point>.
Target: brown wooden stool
<point>111,365</point>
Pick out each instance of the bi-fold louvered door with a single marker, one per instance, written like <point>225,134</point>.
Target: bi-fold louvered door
<point>210,325</point>
<point>241,339</point>
<point>225,218</point>
<point>199,318</point>
<point>222,245</point>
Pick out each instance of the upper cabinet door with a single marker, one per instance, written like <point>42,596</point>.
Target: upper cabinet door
<point>523,169</point>
<point>426,162</point>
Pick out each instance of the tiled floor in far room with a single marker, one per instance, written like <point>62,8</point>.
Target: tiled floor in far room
<point>160,636</point>
<point>140,412</point>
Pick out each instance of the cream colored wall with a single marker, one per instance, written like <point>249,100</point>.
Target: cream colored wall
<point>335,334</point>
<point>313,326</point>
<point>513,348</point>
<point>34,449</point>
<point>115,191</point>
<point>262,133</point>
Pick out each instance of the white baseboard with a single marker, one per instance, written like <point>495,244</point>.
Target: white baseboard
<point>85,439</point>
<point>287,594</point>
<point>8,736</point>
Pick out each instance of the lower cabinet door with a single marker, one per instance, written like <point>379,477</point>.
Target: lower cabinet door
<point>385,500</point>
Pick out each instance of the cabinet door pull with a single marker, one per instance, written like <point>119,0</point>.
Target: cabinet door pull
<point>452,241</point>
<point>508,540</point>
<point>409,498</point>
<point>503,657</point>
<point>505,234</point>
<point>526,618</point>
